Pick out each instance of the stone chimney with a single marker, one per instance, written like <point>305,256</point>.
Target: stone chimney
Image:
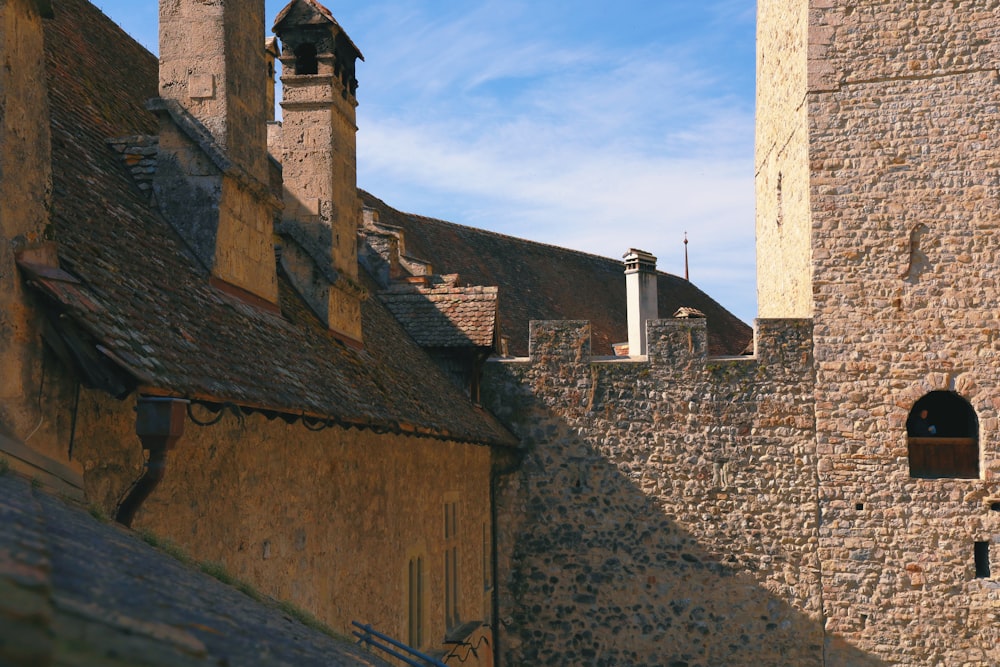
<point>319,163</point>
<point>640,287</point>
<point>212,171</point>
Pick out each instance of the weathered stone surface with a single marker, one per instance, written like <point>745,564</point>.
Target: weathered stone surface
<point>880,121</point>
<point>25,197</point>
<point>74,591</point>
<point>666,510</point>
<point>326,520</point>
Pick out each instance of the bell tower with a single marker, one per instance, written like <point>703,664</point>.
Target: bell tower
<point>878,184</point>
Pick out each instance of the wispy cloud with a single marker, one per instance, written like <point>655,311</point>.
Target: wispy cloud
<point>591,145</point>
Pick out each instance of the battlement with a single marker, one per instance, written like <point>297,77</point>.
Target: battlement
<point>673,343</point>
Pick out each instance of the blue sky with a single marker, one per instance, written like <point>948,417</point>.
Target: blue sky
<point>591,125</point>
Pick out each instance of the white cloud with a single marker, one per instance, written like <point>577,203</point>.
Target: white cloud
<point>599,155</point>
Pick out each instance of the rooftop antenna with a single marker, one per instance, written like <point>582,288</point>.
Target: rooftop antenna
<point>687,275</point>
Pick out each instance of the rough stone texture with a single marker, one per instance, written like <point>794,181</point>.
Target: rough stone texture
<point>904,189</point>
<point>213,170</point>
<point>666,511</point>
<point>319,161</point>
<point>894,148</point>
<point>212,61</point>
<point>325,520</point>
<point>25,194</point>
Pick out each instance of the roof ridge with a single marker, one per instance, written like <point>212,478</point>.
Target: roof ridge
<point>508,237</point>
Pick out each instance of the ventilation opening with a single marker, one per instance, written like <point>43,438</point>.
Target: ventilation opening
<point>305,60</point>
<point>982,560</point>
<point>943,437</point>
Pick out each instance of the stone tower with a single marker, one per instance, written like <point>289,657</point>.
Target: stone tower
<point>878,183</point>
<point>318,152</point>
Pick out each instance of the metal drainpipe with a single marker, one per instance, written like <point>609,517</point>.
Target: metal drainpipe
<point>159,423</point>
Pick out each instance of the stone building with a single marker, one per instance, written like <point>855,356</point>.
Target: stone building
<point>297,358</point>
<point>191,346</point>
<point>187,341</point>
<point>835,498</point>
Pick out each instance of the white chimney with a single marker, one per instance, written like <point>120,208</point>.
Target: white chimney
<point>640,287</point>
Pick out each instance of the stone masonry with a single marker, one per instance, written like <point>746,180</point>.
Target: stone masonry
<point>666,509</point>
<point>690,511</point>
<point>887,130</point>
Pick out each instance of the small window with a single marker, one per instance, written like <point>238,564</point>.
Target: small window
<point>982,560</point>
<point>451,586</point>
<point>305,60</point>
<point>943,437</point>
<point>415,602</point>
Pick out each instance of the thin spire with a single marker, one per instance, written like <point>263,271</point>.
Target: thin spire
<point>687,274</point>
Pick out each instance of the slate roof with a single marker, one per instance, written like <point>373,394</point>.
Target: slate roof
<point>145,303</point>
<point>76,591</point>
<point>445,315</point>
<point>543,282</point>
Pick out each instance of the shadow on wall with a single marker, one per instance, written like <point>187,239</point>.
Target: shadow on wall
<point>603,567</point>
<point>608,578</point>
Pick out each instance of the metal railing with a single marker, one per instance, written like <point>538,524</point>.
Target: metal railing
<point>370,637</point>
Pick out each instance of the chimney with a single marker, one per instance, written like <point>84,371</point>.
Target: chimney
<point>212,167</point>
<point>319,163</point>
<point>640,287</point>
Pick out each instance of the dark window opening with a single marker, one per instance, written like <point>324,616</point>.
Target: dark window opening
<point>305,60</point>
<point>995,507</point>
<point>415,602</point>
<point>860,507</point>
<point>982,560</point>
<point>943,437</point>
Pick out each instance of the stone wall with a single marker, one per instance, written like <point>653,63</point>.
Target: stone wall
<point>897,134</point>
<point>325,520</point>
<point>25,198</point>
<point>904,185</point>
<point>666,510</point>
<point>781,164</point>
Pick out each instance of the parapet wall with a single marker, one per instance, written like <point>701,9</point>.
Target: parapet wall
<point>666,509</point>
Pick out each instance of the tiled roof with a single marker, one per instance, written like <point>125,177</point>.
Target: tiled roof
<point>543,282</point>
<point>144,302</point>
<point>445,315</point>
<point>76,591</point>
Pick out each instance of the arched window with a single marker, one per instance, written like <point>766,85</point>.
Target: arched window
<point>942,435</point>
<point>305,59</point>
